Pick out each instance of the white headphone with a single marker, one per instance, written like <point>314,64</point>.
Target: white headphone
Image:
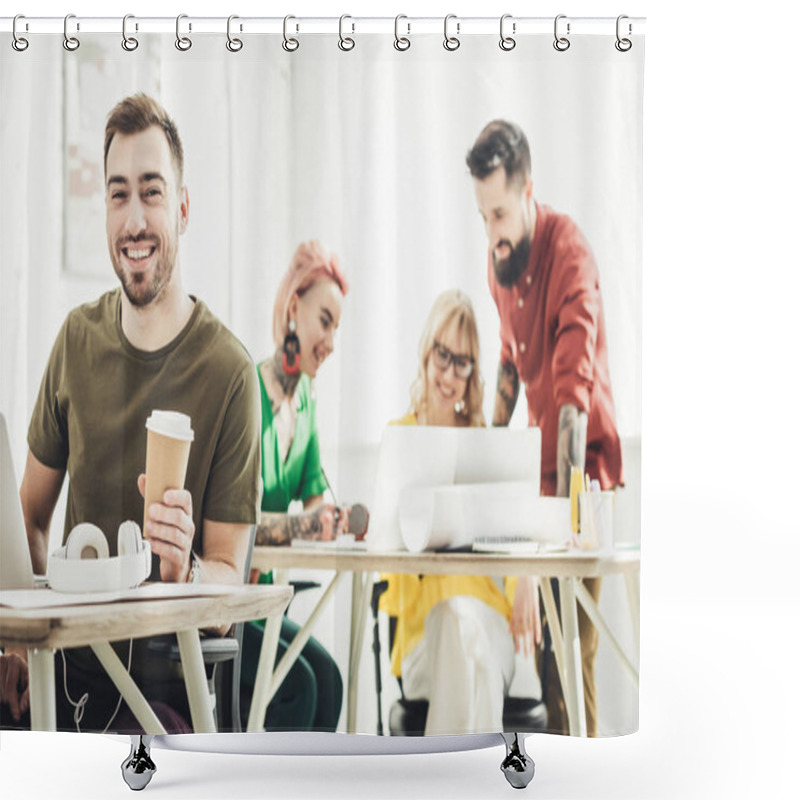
<point>84,565</point>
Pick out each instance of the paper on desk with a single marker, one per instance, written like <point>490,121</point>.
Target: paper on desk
<point>432,518</point>
<point>346,541</point>
<point>47,598</point>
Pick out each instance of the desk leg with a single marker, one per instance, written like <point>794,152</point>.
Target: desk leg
<point>572,685</point>
<point>362,596</point>
<point>593,612</point>
<point>632,585</point>
<point>266,686</point>
<point>555,625</point>
<point>42,689</point>
<point>262,691</point>
<point>194,675</point>
<point>127,688</point>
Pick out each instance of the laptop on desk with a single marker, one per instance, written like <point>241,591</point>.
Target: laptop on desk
<point>429,480</point>
<point>16,571</point>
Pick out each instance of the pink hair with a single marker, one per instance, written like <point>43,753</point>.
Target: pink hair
<point>310,264</point>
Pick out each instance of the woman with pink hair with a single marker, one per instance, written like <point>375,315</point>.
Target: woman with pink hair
<point>308,307</point>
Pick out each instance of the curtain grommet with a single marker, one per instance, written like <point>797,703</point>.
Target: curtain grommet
<point>19,43</point>
<point>129,43</point>
<point>233,44</point>
<point>346,43</point>
<point>561,43</point>
<point>401,43</point>
<point>71,43</point>
<point>507,43</point>
<point>182,43</point>
<point>290,44</point>
<point>451,43</point>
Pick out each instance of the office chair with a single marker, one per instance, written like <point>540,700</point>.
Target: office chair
<point>407,717</point>
<point>222,658</point>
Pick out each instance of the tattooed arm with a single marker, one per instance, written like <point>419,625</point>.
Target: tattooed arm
<point>507,392</point>
<point>280,529</point>
<point>321,523</point>
<point>571,450</point>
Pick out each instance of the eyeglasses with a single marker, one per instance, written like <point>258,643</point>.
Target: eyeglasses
<point>442,358</point>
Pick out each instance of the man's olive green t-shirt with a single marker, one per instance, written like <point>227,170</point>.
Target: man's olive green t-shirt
<point>97,393</point>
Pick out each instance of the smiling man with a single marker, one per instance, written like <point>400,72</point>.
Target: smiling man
<point>546,285</point>
<point>147,345</point>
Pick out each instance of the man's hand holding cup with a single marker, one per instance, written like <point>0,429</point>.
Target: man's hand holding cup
<point>168,521</point>
<point>169,526</point>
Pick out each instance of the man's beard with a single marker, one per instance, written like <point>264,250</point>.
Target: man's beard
<point>140,290</point>
<point>508,270</point>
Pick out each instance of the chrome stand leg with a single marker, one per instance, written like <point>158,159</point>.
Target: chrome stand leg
<point>518,766</point>
<point>138,768</point>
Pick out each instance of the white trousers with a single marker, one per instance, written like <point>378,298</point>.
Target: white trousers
<point>463,666</point>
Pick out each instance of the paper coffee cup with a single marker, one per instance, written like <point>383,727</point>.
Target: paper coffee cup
<point>169,439</point>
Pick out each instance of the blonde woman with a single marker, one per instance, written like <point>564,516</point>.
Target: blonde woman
<point>456,634</point>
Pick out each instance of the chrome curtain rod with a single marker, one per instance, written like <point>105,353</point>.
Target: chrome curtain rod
<point>461,26</point>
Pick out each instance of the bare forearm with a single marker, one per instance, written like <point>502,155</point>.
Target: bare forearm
<point>214,571</point>
<point>37,544</point>
<point>280,529</point>
<point>571,451</point>
<point>38,495</point>
<point>225,547</point>
<point>505,400</point>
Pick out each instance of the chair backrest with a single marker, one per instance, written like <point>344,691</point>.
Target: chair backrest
<point>236,677</point>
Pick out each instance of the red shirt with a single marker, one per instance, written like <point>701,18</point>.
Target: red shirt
<point>553,331</point>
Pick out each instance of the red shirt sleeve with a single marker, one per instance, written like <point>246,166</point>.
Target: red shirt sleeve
<point>575,298</point>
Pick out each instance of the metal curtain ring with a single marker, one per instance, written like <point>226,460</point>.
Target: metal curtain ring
<point>623,45</point>
<point>507,42</point>
<point>183,43</point>
<point>19,43</point>
<point>233,44</point>
<point>290,44</point>
<point>561,43</point>
<point>401,43</point>
<point>70,42</point>
<point>129,43</point>
<point>346,43</point>
<point>451,42</point>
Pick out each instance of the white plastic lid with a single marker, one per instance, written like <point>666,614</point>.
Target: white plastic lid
<point>172,424</point>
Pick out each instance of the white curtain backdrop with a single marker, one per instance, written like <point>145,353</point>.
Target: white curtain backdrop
<point>363,150</point>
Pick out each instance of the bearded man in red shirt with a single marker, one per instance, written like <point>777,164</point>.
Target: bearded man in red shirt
<point>545,283</point>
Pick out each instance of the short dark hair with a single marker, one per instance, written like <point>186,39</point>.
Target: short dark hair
<point>500,143</point>
<point>137,113</point>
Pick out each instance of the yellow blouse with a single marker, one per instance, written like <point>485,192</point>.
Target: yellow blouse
<point>410,598</point>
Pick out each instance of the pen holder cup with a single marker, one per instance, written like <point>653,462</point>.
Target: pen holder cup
<point>596,520</point>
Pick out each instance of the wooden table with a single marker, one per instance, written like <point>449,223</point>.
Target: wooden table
<point>569,568</point>
<point>43,630</point>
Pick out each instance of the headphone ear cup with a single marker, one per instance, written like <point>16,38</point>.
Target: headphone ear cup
<point>129,539</point>
<point>86,541</point>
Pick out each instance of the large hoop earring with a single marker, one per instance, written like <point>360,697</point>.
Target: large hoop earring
<point>291,350</point>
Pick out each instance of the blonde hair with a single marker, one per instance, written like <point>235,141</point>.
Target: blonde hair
<point>311,263</point>
<point>450,306</point>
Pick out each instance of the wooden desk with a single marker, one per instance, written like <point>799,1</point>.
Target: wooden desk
<point>570,568</point>
<point>42,631</point>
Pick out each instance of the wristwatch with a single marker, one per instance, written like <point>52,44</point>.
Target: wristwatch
<point>194,570</point>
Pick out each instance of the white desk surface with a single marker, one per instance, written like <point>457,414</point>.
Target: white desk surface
<point>572,563</point>
<point>80,625</point>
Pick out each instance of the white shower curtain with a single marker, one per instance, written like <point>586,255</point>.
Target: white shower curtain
<point>363,150</point>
